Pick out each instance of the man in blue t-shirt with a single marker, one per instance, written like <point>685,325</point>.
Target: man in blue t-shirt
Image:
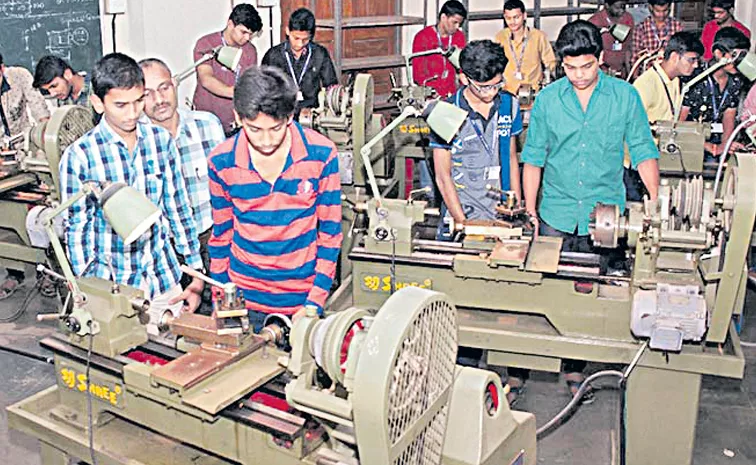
<point>483,152</point>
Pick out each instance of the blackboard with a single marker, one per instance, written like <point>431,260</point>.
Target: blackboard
<point>31,29</point>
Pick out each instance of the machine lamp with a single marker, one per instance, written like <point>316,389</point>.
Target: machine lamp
<point>452,54</point>
<point>223,54</point>
<point>745,62</point>
<point>618,31</point>
<point>442,117</point>
<point>128,211</point>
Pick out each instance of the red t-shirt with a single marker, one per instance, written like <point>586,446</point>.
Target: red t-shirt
<point>221,107</point>
<point>425,68</point>
<point>710,30</point>
<point>616,54</point>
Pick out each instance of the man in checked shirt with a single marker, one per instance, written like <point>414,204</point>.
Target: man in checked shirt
<point>121,149</point>
<point>196,133</point>
<point>653,33</point>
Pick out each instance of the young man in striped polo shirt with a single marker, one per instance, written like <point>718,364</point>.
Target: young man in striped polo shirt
<point>275,194</point>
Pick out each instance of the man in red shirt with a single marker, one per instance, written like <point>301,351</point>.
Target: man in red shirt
<point>617,54</point>
<point>721,10</point>
<point>436,71</point>
<point>215,83</point>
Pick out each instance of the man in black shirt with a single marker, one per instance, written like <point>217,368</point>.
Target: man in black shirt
<point>715,100</point>
<point>306,62</point>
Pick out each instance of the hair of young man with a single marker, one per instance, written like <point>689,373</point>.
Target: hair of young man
<point>1,59</point>
<point>723,4</point>
<point>729,39</point>
<point>150,62</point>
<point>611,2</point>
<point>302,20</point>
<point>579,38</point>
<point>659,2</point>
<point>266,90</point>
<point>482,60</point>
<point>510,5</point>
<point>246,15</point>
<point>116,71</point>
<point>453,7</point>
<point>682,43</point>
<point>48,68</point>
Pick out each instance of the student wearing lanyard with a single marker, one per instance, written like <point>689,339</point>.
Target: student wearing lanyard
<point>436,71</point>
<point>616,54</point>
<point>215,83</point>
<point>483,151</point>
<point>307,62</point>
<point>578,131</point>
<point>659,89</point>
<point>715,100</point>
<point>527,49</point>
<point>653,33</point>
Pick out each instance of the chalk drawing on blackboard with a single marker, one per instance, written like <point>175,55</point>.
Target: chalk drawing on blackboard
<point>60,42</point>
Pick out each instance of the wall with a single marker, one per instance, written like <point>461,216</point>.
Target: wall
<point>745,12</point>
<point>168,29</point>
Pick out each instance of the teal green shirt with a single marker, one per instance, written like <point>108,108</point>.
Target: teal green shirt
<point>581,153</point>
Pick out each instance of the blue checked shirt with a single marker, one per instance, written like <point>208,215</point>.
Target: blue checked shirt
<point>198,133</point>
<point>154,169</point>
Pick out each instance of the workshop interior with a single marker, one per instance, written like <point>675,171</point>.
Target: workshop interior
<point>433,322</point>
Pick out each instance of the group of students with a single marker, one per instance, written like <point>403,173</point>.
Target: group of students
<point>246,193</point>
<point>580,126</point>
<point>261,207</point>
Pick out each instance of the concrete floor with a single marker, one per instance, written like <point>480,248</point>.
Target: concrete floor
<point>727,416</point>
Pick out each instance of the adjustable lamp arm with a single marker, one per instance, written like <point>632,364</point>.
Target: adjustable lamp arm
<point>695,81</point>
<point>60,254</point>
<point>408,112</point>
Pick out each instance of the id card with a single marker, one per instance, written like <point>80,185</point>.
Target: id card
<point>300,97</point>
<point>617,46</point>
<point>493,173</point>
<point>717,128</point>
<point>518,76</point>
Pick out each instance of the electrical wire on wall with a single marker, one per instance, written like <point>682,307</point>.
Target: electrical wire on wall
<point>113,31</point>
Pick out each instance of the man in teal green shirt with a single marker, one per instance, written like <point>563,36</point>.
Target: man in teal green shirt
<point>578,130</point>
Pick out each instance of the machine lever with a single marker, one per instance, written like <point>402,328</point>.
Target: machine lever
<point>43,269</point>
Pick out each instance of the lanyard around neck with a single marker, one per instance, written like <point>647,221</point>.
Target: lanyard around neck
<point>298,80</point>
<point>666,90</point>
<point>518,61</point>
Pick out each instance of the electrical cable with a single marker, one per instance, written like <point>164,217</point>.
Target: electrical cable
<point>748,344</point>
<point>24,305</point>
<point>89,397</point>
<point>30,355</point>
<point>585,385</point>
<point>113,31</point>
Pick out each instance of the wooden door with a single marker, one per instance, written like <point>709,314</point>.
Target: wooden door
<point>358,42</point>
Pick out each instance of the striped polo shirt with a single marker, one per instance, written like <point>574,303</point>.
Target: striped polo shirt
<point>278,243</point>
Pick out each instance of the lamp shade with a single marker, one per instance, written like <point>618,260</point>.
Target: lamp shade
<point>619,31</point>
<point>444,118</point>
<point>129,212</point>
<point>453,56</point>
<point>229,56</point>
<point>747,65</point>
